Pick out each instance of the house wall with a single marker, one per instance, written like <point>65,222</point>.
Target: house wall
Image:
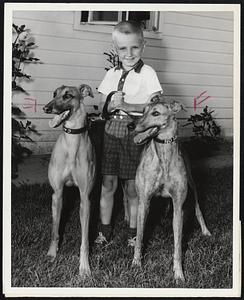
<point>194,55</point>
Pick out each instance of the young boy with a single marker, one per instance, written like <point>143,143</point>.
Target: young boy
<point>135,84</point>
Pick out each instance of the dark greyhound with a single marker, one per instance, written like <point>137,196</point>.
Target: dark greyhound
<point>162,170</point>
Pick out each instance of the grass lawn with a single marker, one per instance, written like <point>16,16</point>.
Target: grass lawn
<point>207,261</point>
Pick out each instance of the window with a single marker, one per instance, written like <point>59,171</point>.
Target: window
<point>149,20</point>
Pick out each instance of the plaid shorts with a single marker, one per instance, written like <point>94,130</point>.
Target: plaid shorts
<point>121,156</point>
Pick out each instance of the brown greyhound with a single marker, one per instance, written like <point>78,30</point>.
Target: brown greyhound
<point>72,162</point>
<point>162,170</point>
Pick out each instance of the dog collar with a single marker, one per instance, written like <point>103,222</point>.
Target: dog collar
<point>166,141</point>
<point>74,131</point>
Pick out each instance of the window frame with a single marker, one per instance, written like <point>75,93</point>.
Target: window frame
<point>107,27</point>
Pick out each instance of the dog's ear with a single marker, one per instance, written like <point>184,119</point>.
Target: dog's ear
<point>176,107</point>
<point>155,98</point>
<point>85,90</point>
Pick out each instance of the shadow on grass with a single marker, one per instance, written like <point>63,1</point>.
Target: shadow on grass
<point>209,260</point>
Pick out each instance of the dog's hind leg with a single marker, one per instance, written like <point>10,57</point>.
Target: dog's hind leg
<point>201,221</point>
<point>198,212</point>
<point>199,216</point>
<point>56,213</point>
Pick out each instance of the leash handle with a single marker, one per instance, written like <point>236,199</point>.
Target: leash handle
<point>106,114</point>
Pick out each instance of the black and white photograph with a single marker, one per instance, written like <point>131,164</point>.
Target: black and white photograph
<point>156,216</point>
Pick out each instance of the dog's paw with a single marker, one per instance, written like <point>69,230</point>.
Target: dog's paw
<point>206,232</point>
<point>179,277</point>
<point>84,272</point>
<point>136,263</point>
<point>50,257</point>
<point>52,253</point>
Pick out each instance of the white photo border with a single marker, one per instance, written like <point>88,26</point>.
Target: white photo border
<point>115,292</point>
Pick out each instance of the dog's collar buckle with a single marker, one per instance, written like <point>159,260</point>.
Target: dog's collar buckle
<point>74,131</point>
<point>166,141</point>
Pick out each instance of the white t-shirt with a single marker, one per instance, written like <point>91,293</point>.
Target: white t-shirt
<point>138,87</point>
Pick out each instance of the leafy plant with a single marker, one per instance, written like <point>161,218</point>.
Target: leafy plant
<point>21,54</point>
<point>204,124</point>
<point>112,58</point>
<point>206,139</point>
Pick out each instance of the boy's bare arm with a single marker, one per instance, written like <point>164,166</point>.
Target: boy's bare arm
<point>118,102</point>
<point>129,107</point>
<point>111,105</point>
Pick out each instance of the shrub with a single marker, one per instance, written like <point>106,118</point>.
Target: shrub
<point>204,124</point>
<point>206,136</point>
<point>21,54</point>
<point>112,58</point>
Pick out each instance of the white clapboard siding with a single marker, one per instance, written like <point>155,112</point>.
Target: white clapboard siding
<point>197,44</point>
<point>63,72</point>
<point>198,33</point>
<point>195,54</point>
<point>36,100</point>
<point>86,73</point>
<point>58,57</point>
<point>171,89</point>
<point>63,30</point>
<point>53,17</point>
<point>189,19</point>
<point>32,112</point>
<point>228,15</point>
<point>190,67</point>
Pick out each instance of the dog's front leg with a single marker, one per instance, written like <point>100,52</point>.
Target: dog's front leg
<point>84,268</point>
<point>177,229</point>
<point>143,208</point>
<point>56,212</point>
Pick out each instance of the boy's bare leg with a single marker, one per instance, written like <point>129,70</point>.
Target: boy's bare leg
<point>109,186</point>
<point>132,200</point>
<point>133,207</point>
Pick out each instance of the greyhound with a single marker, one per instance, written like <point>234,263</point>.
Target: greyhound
<point>72,162</point>
<point>162,170</point>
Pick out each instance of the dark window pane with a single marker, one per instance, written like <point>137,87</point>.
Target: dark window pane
<point>123,15</point>
<point>84,16</point>
<point>140,17</point>
<point>105,16</point>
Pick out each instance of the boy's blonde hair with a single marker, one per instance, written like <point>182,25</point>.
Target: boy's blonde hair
<point>128,27</point>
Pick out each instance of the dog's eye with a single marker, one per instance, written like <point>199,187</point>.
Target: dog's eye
<point>67,96</point>
<point>155,113</point>
<point>54,94</point>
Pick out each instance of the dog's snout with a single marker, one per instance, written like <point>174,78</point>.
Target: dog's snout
<point>47,109</point>
<point>131,126</point>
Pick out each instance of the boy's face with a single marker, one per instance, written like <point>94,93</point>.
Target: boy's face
<point>129,48</point>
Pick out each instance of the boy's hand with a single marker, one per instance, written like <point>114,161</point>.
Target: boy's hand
<point>117,100</point>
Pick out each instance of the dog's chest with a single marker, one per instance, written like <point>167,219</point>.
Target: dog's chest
<point>155,172</point>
